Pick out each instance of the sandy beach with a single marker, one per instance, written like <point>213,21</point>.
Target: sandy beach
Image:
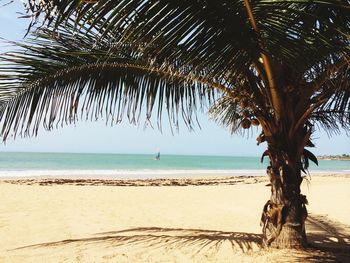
<point>162,220</point>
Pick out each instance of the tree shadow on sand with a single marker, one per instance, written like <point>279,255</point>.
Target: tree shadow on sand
<point>157,237</point>
<point>327,244</point>
<point>328,236</point>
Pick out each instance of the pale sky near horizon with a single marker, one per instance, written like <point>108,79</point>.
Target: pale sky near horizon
<point>96,137</point>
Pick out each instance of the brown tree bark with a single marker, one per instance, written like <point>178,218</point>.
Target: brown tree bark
<point>284,215</point>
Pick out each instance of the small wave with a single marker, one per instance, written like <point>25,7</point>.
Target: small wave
<point>125,174</point>
<point>145,173</point>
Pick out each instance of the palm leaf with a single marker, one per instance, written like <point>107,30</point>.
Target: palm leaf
<point>225,112</point>
<point>295,27</point>
<point>50,76</point>
<point>185,47</point>
<point>217,35</point>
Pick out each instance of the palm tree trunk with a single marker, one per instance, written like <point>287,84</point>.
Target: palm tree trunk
<point>285,213</point>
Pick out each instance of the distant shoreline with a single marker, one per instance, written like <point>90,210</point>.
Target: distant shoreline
<point>344,157</point>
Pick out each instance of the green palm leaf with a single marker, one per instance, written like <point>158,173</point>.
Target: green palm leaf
<point>45,81</point>
<point>208,43</point>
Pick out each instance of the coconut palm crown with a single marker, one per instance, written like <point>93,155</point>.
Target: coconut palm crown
<point>283,65</point>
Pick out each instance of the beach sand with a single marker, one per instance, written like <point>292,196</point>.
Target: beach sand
<point>170,220</point>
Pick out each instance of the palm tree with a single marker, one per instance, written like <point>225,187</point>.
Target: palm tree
<point>282,65</point>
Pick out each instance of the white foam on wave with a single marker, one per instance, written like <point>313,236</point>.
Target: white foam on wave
<point>142,174</point>
<point>125,174</point>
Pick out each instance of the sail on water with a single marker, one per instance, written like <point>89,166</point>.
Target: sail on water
<point>157,155</point>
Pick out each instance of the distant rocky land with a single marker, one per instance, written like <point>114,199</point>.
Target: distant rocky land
<point>343,157</point>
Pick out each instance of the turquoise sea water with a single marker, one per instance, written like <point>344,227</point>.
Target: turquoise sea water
<point>137,165</point>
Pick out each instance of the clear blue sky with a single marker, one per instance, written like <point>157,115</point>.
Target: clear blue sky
<point>125,138</point>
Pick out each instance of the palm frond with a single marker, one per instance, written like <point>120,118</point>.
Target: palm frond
<point>217,35</point>
<point>224,111</point>
<point>233,114</point>
<point>45,81</point>
<point>333,95</point>
<point>290,29</point>
<point>173,51</point>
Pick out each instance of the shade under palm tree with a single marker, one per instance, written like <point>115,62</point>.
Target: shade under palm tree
<point>283,65</point>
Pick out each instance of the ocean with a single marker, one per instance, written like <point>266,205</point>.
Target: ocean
<point>121,166</point>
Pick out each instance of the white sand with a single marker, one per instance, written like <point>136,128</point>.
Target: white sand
<point>69,223</point>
